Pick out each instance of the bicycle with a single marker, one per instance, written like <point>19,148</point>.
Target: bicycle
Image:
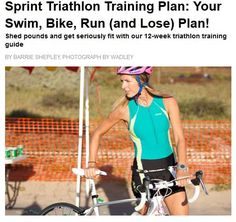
<point>156,204</point>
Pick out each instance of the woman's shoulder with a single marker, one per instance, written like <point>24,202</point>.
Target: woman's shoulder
<point>165,99</point>
<point>170,103</point>
<point>169,99</point>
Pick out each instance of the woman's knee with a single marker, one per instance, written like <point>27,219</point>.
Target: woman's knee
<point>177,204</point>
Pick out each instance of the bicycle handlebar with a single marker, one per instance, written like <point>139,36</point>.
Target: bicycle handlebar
<point>90,186</point>
<point>142,202</point>
<point>80,172</point>
<point>145,195</point>
<point>145,192</point>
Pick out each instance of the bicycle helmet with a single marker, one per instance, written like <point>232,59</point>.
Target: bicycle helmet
<point>137,71</point>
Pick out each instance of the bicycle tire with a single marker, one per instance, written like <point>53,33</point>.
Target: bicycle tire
<point>62,209</point>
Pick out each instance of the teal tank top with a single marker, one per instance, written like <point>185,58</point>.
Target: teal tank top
<point>149,129</point>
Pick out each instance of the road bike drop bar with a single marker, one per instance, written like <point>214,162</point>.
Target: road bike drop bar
<point>146,186</point>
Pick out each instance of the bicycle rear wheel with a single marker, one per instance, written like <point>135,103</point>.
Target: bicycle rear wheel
<point>62,209</point>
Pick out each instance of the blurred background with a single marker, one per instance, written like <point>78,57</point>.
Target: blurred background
<point>202,92</point>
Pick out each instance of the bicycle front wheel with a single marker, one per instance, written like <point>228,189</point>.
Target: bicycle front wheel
<point>62,209</point>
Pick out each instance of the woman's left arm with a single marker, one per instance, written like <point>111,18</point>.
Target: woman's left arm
<point>174,115</point>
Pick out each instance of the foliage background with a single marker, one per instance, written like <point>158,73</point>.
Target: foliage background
<point>202,92</point>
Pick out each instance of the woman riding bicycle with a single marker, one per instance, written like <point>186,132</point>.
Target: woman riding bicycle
<point>148,114</point>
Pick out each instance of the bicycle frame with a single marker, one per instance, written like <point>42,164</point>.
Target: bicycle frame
<point>92,209</point>
<point>156,205</point>
<point>96,205</point>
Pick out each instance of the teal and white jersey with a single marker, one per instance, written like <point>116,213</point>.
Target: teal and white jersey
<point>149,129</point>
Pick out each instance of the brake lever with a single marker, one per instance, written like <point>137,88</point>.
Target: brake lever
<point>203,186</point>
<point>199,175</point>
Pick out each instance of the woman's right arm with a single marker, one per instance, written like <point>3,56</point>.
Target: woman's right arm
<point>113,118</point>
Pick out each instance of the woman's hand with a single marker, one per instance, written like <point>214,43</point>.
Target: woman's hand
<point>90,171</point>
<point>182,173</point>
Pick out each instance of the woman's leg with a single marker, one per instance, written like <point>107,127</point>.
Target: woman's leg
<point>177,204</point>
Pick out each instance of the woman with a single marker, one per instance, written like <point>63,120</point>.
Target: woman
<point>148,114</point>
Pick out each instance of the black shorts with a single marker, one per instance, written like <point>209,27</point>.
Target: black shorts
<point>163,175</point>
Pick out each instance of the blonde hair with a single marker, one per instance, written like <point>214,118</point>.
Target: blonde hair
<point>123,101</point>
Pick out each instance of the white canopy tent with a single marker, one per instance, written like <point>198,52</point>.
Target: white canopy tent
<point>84,99</point>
